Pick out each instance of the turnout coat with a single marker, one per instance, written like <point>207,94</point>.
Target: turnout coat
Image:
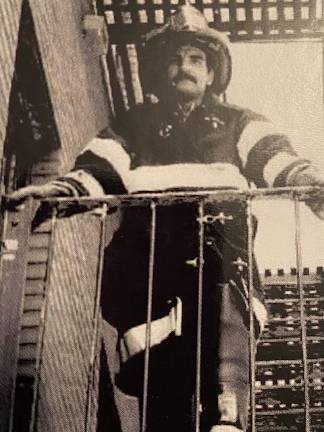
<point>154,148</point>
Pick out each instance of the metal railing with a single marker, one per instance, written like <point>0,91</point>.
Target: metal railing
<point>60,206</point>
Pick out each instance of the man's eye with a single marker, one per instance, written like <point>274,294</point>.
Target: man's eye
<point>196,60</point>
<point>172,61</point>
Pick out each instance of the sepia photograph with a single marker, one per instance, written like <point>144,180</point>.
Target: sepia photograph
<point>161,216</point>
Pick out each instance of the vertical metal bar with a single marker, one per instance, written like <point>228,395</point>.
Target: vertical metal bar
<point>10,187</point>
<point>199,314</point>
<point>95,7</point>
<point>96,318</point>
<point>322,53</point>
<point>4,233</point>
<point>3,163</point>
<point>3,190</point>
<point>106,76</point>
<point>251,314</point>
<point>40,342</point>
<point>302,309</point>
<point>3,210</point>
<point>104,67</point>
<point>24,222</point>
<point>149,315</point>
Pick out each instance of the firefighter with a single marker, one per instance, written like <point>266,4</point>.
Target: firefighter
<point>184,137</point>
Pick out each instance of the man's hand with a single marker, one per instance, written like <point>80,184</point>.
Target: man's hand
<point>17,199</point>
<point>42,211</point>
<point>311,177</point>
<point>316,204</point>
<point>47,190</point>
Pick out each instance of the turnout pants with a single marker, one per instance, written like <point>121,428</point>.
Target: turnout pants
<point>225,315</point>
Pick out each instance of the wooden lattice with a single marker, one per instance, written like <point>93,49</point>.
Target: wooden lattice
<point>240,19</point>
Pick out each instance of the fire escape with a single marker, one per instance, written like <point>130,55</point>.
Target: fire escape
<point>287,377</point>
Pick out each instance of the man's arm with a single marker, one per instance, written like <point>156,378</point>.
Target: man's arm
<point>269,160</point>
<point>101,168</point>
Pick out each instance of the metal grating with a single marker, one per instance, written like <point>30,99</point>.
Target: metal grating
<point>280,383</point>
<point>240,19</point>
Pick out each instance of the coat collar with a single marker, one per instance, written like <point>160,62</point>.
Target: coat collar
<point>206,112</point>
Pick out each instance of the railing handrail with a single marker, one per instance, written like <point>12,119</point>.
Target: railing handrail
<point>211,194</point>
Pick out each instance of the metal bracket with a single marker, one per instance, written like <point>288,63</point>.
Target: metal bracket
<point>193,262</point>
<point>100,211</point>
<point>240,264</point>
<point>221,218</point>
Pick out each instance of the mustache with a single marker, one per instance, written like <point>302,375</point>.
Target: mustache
<point>184,76</point>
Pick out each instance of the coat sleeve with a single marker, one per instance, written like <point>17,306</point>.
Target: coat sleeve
<point>101,168</point>
<point>267,156</point>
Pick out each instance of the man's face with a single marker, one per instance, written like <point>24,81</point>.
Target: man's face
<point>188,73</point>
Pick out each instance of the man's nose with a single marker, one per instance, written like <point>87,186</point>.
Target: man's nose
<point>184,64</point>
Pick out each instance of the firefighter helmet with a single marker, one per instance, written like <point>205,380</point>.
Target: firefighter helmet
<point>186,26</point>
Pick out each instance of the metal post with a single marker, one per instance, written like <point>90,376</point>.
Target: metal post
<point>251,314</point>
<point>302,309</point>
<point>40,343</point>
<point>149,314</point>
<point>94,7</point>
<point>96,316</point>
<point>199,314</point>
<point>4,232</point>
<point>3,210</point>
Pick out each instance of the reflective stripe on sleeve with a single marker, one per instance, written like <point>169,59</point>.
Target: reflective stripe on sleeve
<point>251,135</point>
<point>276,165</point>
<point>87,181</point>
<point>113,152</point>
<point>185,175</point>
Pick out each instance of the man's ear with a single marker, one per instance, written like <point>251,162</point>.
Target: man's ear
<point>211,76</point>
